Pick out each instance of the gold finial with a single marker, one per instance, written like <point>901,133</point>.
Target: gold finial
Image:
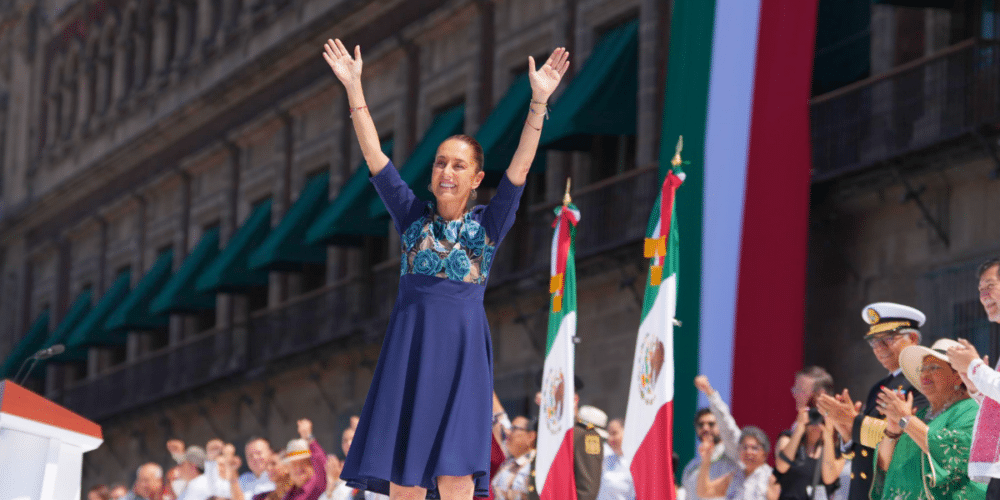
<point>566,199</point>
<point>676,161</point>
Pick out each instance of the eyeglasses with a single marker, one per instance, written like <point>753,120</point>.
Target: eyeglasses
<point>705,424</point>
<point>751,447</point>
<point>884,341</point>
<point>516,428</point>
<point>930,368</point>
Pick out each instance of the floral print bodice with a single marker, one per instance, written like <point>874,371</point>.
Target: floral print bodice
<point>459,250</point>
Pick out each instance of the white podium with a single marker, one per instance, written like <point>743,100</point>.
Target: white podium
<point>41,446</point>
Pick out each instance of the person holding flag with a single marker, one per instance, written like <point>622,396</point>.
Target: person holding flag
<point>425,427</point>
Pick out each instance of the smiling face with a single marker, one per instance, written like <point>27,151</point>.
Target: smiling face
<point>258,452</point>
<point>300,471</point>
<point>938,380</point>
<point>887,348</point>
<point>455,173</point>
<point>989,293</point>
<point>752,453</point>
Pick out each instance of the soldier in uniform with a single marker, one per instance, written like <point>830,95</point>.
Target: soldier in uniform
<point>588,452</point>
<point>589,437</point>
<point>891,328</point>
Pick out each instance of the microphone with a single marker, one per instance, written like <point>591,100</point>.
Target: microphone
<point>48,353</point>
<point>35,358</point>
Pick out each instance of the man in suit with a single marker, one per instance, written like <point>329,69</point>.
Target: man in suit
<point>891,328</point>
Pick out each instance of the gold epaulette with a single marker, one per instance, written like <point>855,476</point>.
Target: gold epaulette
<point>872,431</point>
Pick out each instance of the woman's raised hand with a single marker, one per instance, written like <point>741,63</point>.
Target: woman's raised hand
<point>544,80</point>
<point>347,68</point>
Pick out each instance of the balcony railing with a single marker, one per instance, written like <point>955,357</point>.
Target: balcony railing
<point>614,213</point>
<point>913,107</point>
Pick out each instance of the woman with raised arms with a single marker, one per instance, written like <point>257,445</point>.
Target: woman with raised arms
<point>425,426</point>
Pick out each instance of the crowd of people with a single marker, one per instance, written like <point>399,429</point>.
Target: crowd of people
<point>928,430</point>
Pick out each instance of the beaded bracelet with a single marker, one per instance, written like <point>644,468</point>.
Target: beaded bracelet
<point>352,110</point>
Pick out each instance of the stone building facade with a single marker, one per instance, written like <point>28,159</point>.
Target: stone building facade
<point>904,183</point>
<point>131,128</point>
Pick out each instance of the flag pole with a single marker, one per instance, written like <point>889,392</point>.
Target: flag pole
<point>566,199</point>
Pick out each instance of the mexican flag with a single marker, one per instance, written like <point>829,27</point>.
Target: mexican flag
<point>554,478</point>
<point>648,439</point>
<point>738,90</point>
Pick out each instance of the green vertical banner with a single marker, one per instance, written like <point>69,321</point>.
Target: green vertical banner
<point>685,114</point>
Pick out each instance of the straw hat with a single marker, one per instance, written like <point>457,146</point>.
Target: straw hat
<point>297,449</point>
<point>912,358</point>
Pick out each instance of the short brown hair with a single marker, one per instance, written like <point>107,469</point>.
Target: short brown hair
<point>477,149</point>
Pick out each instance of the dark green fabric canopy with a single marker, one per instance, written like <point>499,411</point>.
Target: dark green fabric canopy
<point>601,98</point>
<point>77,311</point>
<point>28,346</point>
<point>91,332</point>
<point>416,172</point>
<point>345,220</point>
<point>501,132</point>
<point>179,294</point>
<point>134,313</point>
<point>285,248</point>
<point>229,272</point>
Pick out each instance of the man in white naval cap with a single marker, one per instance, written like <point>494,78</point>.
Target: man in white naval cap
<point>891,328</point>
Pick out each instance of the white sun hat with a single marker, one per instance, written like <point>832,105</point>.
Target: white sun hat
<point>911,359</point>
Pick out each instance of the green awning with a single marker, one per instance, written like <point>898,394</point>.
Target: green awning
<point>77,311</point>
<point>416,172</point>
<point>229,272</point>
<point>91,332</point>
<point>501,132</point>
<point>601,99</point>
<point>179,295</point>
<point>345,219</point>
<point>134,313</point>
<point>28,346</point>
<point>286,249</point>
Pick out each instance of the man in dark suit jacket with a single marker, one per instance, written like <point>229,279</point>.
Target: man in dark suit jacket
<point>892,327</point>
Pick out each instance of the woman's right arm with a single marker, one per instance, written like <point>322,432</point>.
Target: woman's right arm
<point>348,71</point>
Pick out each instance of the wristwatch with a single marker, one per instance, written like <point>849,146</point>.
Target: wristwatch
<point>903,421</point>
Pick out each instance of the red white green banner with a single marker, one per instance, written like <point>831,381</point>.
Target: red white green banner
<point>738,90</point>
<point>554,478</point>
<point>648,439</point>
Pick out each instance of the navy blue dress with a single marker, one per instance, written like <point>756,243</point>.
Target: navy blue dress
<point>429,408</point>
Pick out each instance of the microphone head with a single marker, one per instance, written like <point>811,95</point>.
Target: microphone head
<point>57,349</point>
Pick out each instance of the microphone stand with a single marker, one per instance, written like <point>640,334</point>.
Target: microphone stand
<point>34,361</point>
<point>18,374</point>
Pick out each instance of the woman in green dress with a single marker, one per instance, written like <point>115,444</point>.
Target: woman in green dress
<point>925,455</point>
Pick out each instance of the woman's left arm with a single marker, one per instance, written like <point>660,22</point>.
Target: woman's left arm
<point>544,81</point>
